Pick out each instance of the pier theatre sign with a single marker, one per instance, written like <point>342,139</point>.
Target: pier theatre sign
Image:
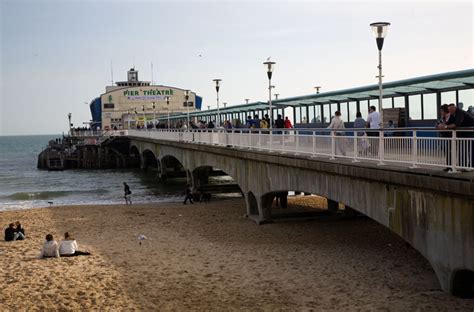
<point>150,94</point>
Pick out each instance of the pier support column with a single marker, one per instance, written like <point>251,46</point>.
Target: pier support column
<point>259,207</point>
<point>333,205</point>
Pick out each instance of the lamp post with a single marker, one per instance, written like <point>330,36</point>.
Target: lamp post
<point>70,125</point>
<point>218,81</point>
<point>270,66</point>
<point>128,115</point>
<point>168,106</point>
<point>186,96</point>
<point>154,116</point>
<point>317,89</point>
<point>144,118</point>
<point>136,118</point>
<point>276,96</point>
<point>247,101</point>
<point>380,31</point>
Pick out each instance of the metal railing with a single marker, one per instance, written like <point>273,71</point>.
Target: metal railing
<point>415,147</point>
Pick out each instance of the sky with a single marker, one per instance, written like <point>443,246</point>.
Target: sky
<point>56,56</point>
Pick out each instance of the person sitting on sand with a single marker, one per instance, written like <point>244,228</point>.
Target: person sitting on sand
<point>50,248</point>
<point>11,233</point>
<point>20,229</point>
<point>68,247</point>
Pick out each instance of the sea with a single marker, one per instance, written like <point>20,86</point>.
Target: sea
<point>23,186</point>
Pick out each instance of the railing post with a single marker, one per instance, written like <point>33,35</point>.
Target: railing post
<point>381,148</point>
<point>356,147</point>
<point>260,139</point>
<point>414,150</point>
<point>314,144</point>
<point>297,138</point>
<point>454,154</point>
<point>333,145</point>
<point>270,133</point>
<point>283,141</point>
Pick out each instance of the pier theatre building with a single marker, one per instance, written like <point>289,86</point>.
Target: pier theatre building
<point>136,104</point>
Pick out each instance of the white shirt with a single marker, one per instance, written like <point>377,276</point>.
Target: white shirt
<point>374,120</point>
<point>336,123</point>
<point>50,249</point>
<point>67,247</point>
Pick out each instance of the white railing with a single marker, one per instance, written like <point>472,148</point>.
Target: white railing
<point>413,146</point>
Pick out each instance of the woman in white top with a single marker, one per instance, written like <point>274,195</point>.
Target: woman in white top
<point>338,123</point>
<point>68,247</point>
<point>50,248</point>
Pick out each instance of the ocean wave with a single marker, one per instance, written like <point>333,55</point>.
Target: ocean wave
<point>50,194</point>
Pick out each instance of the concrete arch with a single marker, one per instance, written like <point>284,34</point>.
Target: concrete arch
<point>135,159</point>
<point>150,161</point>
<point>171,167</point>
<point>202,176</point>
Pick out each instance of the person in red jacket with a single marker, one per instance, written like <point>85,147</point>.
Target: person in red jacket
<point>288,124</point>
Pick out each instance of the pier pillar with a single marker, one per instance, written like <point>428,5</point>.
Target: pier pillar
<point>259,208</point>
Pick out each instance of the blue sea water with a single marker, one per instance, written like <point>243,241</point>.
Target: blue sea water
<point>22,185</point>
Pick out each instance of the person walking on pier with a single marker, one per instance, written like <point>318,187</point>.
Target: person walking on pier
<point>127,194</point>
<point>189,195</point>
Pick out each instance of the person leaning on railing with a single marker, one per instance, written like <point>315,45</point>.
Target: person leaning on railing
<point>463,119</point>
<point>445,120</point>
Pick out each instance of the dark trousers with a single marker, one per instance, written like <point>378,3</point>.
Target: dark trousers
<point>190,197</point>
<point>374,143</point>
<point>77,253</point>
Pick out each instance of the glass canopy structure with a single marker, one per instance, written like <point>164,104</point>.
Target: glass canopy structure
<point>420,99</point>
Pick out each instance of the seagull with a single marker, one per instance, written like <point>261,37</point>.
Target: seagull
<point>268,58</point>
<point>199,55</point>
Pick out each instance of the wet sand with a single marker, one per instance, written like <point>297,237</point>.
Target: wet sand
<point>210,257</point>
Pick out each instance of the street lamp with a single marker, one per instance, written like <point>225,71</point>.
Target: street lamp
<point>380,31</point>
<point>270,66</point>
<point>217,81</point>
<point>168,106</point>
<point>144,118</point>
<point>225,104</point>
<point>154,116</point>
<point>317,89</point>
<point>247,101</point>
<point>128,115</point>
<point>70,125</point>
<point>276,96</point>
<point>186,96</point>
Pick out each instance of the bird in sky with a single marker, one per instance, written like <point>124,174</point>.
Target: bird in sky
<point>268,58</point>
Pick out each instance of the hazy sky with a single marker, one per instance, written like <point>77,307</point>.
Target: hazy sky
<point>56,55</point>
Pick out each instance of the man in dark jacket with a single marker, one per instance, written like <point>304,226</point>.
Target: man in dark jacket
<point>463,119</point>
<point>10,233</point>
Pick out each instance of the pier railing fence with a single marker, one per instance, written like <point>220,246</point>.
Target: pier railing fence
<point>415,147</point>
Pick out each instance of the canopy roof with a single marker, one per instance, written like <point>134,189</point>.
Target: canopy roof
<point>463,79</point>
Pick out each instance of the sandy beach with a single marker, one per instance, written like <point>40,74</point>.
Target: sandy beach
<point>210,257</point>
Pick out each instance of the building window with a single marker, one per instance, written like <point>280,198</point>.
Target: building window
<point>108,105</point>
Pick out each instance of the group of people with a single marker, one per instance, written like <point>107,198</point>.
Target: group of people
<point>453,117</point>
<point>373,122</point>
<point>14,232</point>
<point>66,248</point>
